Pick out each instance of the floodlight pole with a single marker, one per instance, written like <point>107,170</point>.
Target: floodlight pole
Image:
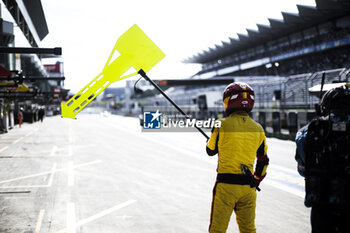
<point>143,74</point>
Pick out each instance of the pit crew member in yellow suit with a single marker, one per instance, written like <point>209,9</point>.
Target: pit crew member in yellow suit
<point>238,141</point>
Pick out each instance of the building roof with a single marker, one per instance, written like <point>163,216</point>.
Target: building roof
<point>308,16</point>
<point>37,16</point>
<point>30,18</point>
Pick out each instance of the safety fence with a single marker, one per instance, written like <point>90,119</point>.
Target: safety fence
<point>282,104</point>
<point>294,91</point>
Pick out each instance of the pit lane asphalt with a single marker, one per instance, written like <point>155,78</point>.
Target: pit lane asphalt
<point>102,174</point>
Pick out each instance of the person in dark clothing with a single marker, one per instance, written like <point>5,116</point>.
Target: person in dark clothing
<point>323,156</point>
<point>41,114</point>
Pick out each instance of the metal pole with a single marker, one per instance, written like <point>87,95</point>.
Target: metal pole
<point>32,78</point>
<point>322,84</point>
<point>55,51</point>
<point>143,74</point>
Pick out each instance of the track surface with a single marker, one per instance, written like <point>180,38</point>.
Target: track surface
<point>102,174</point>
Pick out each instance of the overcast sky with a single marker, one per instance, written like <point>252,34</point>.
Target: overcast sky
<point>87,30</point>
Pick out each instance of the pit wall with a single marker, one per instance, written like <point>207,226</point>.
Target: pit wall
<point>282,124</point>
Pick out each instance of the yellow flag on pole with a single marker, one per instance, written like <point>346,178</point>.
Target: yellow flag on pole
<point>136,50</point>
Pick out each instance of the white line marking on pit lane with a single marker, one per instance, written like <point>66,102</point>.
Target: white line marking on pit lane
<point>70,141</point>
<point>24,186</point>
<point>99,215</point>
<point>275,184</point>
<point>19,139</point>
<point>4,148</point>
<point>87,164</point>
<point>39,221</point>
<point>47,172</point>
<point>105,212</point>
<point>70,150</point>
<point>31,132</point>
<point>45,152</point>
<point>52,173</point>
<point>53,151</point>
<point>70,135</point>
<point>71,223</point>
<point>285,188</point>
<point>174,147</point>
<point>70,173</point>
<point>285,169</point>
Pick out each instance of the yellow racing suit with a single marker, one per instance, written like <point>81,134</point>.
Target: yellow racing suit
<point>239,140</point>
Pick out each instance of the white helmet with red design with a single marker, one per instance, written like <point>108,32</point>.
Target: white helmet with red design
<point>238,96</point>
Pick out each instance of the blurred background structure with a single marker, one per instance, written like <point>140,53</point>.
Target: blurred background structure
<point>283,62</point>
<point>27,84</point>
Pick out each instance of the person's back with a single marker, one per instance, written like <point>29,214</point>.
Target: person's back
<point>240,138</point>
<point>238,141</point>
<point>20,117</point>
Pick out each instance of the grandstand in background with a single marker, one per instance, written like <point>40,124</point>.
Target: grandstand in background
<point>284,62</point>
<point>315,39</point>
